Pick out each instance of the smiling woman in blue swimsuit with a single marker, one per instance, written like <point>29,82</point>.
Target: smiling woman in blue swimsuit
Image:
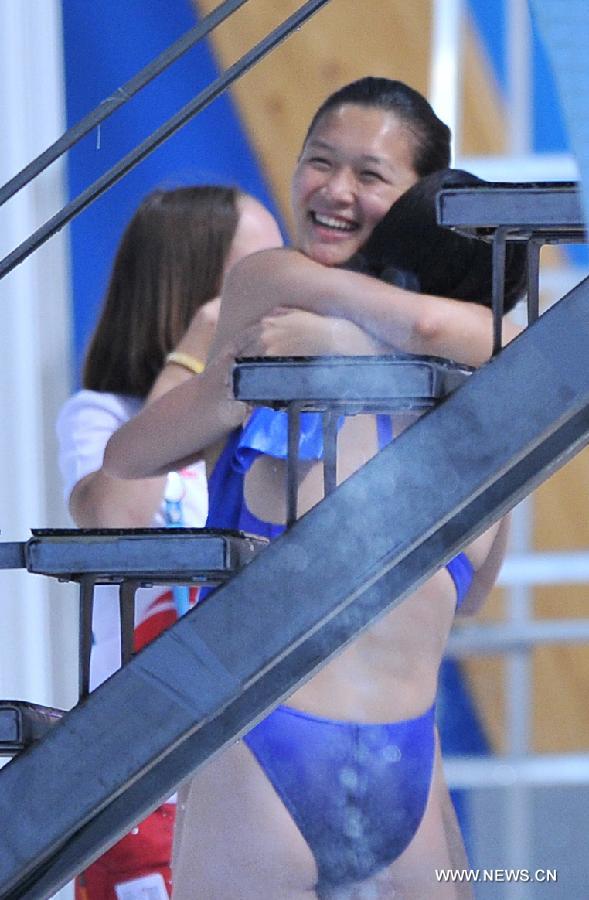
<point>340,793</point>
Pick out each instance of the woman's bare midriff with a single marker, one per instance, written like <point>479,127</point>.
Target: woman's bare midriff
<point>387,673</point>
<point>390,671</point>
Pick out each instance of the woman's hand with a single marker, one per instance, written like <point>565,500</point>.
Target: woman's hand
<point>197,339</point>
<point>180,426</point>
<point>287,331</point>
<point>195,342</point>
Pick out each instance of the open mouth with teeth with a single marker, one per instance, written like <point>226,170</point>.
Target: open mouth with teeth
<point>342,226</point>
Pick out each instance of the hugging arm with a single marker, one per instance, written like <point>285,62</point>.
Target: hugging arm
<point>296,332</point>
<point>100,499</point>
<point>189,420</point>
<point>405,320</point>
<point>178,428</point>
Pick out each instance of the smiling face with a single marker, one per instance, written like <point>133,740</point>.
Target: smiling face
<point>357,161</point>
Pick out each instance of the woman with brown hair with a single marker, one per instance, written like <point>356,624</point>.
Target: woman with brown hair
<point>340,792</point>
<point>153,333</point>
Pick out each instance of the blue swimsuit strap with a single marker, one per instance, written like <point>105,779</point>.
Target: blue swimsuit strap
<point>461,571</point>
<point>266,433</point>
<point>384,430</point>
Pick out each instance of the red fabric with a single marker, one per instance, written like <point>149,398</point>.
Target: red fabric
<point>161,615</point>
<point>148,630</point>
<point>148,848</point>
<point>145,851</point>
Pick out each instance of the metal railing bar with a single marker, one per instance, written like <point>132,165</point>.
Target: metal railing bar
<point>544,568</point>
<point>540,769</point>
<point>106,181</point>
<point>124,93</point>
<point>508,638</point>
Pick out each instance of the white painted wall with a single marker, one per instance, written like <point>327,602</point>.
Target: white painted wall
<point>38,617</point>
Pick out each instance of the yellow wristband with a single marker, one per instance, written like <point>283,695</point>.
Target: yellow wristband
<point>187,361</point>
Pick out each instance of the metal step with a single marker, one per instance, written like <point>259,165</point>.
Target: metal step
<point>131,558</point>
<point>22,724</point>
<point>348,384</point>
<point>551,210</point>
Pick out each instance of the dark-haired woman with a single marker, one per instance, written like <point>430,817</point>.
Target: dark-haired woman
<point>153,333</point>
<point>340,793</point>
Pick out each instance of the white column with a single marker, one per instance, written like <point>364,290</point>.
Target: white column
<point>519,71</point>
<point>37,615</point>
<point>445,86</point>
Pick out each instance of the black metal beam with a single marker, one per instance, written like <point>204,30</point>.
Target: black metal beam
<point>121,96</point>
<point>347,383</point>
<point>550,208</point>
<point>119,816</point>
<point>161,134</point>
<point>227,662</point>
<point>148,555</point>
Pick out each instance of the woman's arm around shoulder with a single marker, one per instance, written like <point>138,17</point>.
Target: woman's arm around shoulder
<point>97,497</point>
<point>408,321</point>
<point>180,426</point>
<point>96,500</point>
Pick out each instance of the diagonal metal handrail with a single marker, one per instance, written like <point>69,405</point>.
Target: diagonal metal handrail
<point>121,96</point>
<point>128,162</point>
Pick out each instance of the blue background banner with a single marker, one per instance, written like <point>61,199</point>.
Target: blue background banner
<point>106,44</point>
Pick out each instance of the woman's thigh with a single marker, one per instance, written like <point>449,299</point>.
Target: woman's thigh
<point>235,839</point>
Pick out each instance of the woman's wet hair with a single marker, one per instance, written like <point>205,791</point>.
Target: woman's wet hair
<point>431,137</point>
<point>410,249</point>
<point>169,262</point>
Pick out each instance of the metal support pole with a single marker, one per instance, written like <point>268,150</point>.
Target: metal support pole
<point>292,463</point>
<point>533,299</point>
<point>329,452</point>
<point>85,633</point>
<point>127,591</point>
<point>499,252</point>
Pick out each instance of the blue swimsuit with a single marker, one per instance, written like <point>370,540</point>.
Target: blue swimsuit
<point>357,792</point>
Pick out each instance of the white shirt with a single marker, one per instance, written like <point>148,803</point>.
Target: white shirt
<point>84,425</point>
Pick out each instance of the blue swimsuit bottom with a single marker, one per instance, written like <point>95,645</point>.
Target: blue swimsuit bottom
<point>357,792</point>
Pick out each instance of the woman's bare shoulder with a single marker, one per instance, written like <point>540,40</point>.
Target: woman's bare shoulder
<point>266,261</point>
